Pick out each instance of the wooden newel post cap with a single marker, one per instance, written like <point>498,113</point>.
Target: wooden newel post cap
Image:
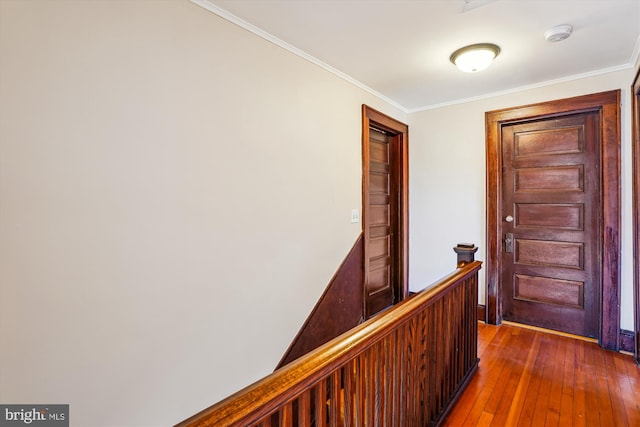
<point>465,252</point>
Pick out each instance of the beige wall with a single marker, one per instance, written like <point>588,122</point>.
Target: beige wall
<point>447,181</point>
<point>175,194</point>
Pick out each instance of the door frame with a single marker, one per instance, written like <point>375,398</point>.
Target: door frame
<point>400,131</point>
<point>607,106</point>
<point>635,143</point>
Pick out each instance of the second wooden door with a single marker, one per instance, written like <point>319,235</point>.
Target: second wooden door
<point>551,204</point>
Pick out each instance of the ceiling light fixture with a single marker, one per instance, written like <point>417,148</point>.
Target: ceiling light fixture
<point>475,57</point>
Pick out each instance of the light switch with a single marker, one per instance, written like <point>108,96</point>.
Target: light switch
<point>355,215</point>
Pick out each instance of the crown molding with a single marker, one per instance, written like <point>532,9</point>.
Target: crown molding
<point>206,4</point>
<point>635,56</point>
<point>523,88</point>
<point>298,52</point>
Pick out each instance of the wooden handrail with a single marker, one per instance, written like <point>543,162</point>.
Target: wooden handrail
<point>334,366</point>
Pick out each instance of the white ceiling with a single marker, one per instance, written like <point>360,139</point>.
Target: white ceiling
<point>400,49</point>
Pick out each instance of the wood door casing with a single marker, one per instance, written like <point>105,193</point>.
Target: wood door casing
<point>384,210</point>
<point>635,108</point>
<point>551,191</point>
<point>606,106</point>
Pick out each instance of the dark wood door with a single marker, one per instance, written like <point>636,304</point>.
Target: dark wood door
<point>381,227</point>
<point>551,204</point>
<point>385,207</point>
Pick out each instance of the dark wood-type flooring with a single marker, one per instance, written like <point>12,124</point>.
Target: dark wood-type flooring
<point>533,378</point>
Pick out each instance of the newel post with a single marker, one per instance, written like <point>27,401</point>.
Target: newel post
<point>465,253</point>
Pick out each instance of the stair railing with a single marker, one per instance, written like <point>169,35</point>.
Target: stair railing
<point>404,367</point>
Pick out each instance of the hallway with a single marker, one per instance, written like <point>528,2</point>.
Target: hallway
<point>531,378</point>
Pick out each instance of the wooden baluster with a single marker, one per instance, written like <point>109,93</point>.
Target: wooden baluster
<point>379,383</point>
<point>358,398</point>
<point>370,390</point>
<point>347,391</point>
<point>390,374</point>
<point>334,399</point>
<point>304,409</point>
<point>286,415</point>
<point>401,368</point>
<point>321,404</point>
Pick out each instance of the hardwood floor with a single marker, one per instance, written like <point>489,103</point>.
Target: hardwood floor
<point>532,378</point>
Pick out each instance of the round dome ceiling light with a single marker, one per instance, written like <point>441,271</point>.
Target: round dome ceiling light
<point>475,57</point>
<point>558,33</point>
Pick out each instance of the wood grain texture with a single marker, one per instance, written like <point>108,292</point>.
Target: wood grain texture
<point>635,111</point>
<point>549,253</point>
<point>532,378</point>
<point>627,341</point>
<point>560,166</point>
<point>385,210</point>
<point>606,106</point>
<point>561,178</point>
<point>562,141</point>
<point>611,211</point>
<point>338,309</point>
<point>404,367</point>
<point>552,291</point>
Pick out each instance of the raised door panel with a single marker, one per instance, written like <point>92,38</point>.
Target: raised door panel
<point>551,189</point>
<point>379,286</point>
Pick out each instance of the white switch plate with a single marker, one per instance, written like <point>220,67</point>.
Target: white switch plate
<point>355,215</point>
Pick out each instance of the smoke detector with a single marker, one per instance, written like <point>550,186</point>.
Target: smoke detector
<point>558,33</point>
